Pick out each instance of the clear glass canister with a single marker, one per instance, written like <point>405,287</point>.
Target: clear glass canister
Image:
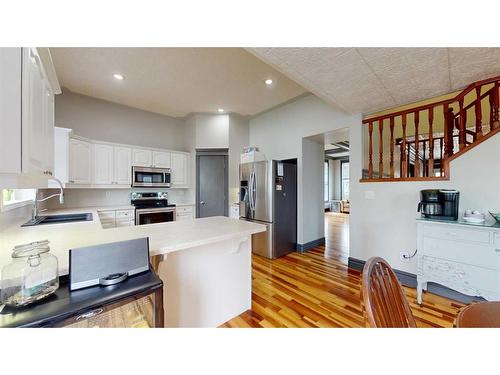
<point>31,275</point>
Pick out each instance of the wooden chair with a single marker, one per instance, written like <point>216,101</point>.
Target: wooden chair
<point>384,300</point>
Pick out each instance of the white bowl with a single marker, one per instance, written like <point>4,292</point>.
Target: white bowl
<point>473,220</point>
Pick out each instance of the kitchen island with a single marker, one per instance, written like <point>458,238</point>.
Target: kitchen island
<point>205,264</point>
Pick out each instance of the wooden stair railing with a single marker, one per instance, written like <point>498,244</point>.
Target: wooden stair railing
<point>420,145</point>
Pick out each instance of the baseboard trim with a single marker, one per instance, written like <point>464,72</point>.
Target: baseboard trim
<point>310,245</point>
<point>410,280</point>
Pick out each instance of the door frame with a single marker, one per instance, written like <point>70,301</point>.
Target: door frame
<point>212,152</point>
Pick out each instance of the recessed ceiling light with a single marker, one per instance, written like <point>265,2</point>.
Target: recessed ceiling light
<point>220,110</point>
<point>268,82</point>
<point>118,76</point>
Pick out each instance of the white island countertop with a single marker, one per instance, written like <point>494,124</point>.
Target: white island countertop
<point>163,237</point>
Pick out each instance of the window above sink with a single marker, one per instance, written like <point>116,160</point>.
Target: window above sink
<point>15,198</point>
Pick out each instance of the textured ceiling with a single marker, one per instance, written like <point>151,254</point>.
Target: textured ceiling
<point>367,80</point>
<point>175,81</point>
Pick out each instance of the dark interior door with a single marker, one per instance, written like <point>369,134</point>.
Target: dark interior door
<point>212,185</point>
<point>285,209</point>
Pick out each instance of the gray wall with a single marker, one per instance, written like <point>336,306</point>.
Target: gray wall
<point>313,160</point>
<point>105,121</point>
<point>279,135</point>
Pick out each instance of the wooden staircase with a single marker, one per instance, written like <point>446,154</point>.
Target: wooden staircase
<point>417,144</point>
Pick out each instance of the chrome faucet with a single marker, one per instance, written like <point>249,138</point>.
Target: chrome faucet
<point>35,211</point>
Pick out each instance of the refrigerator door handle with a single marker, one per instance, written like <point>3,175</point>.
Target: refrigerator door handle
<point>254,190</point>
<point>250,198</point>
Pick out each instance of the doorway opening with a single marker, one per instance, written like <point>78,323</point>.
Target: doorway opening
<point>211,183</point>
<point>335,200</point>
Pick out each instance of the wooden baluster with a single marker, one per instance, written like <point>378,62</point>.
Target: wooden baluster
<point>424,164</point>
<point>404,169</point>
<point>391,165</point>
<point>490,98</point>
<point>381,149</point>
<point>430,165</point>
<point>448,130</point>
<point>370,152</point>
<point>441,153</point>
<point>461,126</point>
<point>496,122</point>
<point>479,126</point>
<point>417,151</point>
<point>408,159</point>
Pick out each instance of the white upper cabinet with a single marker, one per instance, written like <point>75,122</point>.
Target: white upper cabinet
<point>10,110</point>
<point>142,158</point>
<point>161,159</point>
<point>179,169</point>
<point>27,111</point>
<point>112,165</point>
<point>123,166</point>
<point>37,117</point>
<point>80,162</point>
<point>103,164</point>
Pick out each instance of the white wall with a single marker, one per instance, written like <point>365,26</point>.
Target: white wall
<point>212,131</point>
<point>386,225</point>
<point>238,138</point>
<point>334,179</point>
<point>106,121</point>
<point>279,134</point>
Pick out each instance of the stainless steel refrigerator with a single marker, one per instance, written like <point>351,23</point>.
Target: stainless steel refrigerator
<point>268,195</point>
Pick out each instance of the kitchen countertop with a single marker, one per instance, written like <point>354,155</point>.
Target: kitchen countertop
<point>488,223</point>
<point>164,237</point>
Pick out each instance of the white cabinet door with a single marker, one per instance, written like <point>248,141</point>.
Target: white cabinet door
<point>142,158</point>
<point>123,166</point>
<point>34,137</point>
<point>179,172</point>
<point>80,156</point>
<point>10,110</point>
<point>103,164</point>
<point>161,159</point>
<point>49,128</point>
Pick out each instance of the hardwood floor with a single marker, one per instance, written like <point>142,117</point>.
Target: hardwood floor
<point>317,289</point>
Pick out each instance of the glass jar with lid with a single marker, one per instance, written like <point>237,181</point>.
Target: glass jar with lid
<point>31,275</point>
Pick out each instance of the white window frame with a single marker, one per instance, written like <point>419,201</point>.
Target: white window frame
<point>13,204</point>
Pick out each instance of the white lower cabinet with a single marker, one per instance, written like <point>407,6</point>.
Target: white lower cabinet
<point>465,258</point>
<point>184,213</point>
<point>116,218</point>
<point>80,162</point>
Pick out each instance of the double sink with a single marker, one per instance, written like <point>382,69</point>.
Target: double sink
<point>58,219</point>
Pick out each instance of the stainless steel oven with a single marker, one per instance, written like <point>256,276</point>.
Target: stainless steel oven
<point>154,215</point>
<point>150,177</point>
<point>152,207</point>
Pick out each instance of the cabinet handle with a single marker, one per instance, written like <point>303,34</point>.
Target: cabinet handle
<point>72,181</point>
<point>90,314</point>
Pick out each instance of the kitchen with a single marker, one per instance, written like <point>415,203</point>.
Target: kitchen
<point>104,179</point>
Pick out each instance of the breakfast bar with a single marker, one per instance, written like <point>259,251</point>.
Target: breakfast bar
<point>205,264</point>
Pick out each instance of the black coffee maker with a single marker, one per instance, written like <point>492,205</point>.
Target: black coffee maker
<point>439,204</point>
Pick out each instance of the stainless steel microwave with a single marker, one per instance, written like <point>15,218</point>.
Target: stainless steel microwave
<point>150,177</point>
